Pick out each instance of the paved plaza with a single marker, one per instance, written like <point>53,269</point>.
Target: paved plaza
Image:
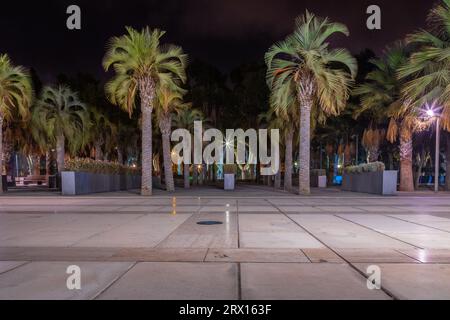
<point>267,245</point>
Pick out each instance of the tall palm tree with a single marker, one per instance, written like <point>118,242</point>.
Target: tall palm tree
<point>184,118</point>
<point>168,101</point>
<point>320,75</point>
<point>16,94</point>
<point>381,97</point>
<point>428,69</point>
<point>141,63</point>
<point>64,118</point>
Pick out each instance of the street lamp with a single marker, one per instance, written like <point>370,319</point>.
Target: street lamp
<point>431,112</point>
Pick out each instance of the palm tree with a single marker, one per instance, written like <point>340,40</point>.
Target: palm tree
<point>103,133</point>
<point>288,119</point>
<point>16,95</point>
<point>371,140</point>
<point>141,64</point>
<point>320,75</point>
<point>428,69</point>
<point>184,118</point>
<point>381,97</point>
<point>168,101</point>
<point>64,118</point>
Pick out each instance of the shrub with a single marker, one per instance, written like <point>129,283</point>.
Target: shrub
<point>366,167</point>
<point>229,168</point>
<point>98,166</point>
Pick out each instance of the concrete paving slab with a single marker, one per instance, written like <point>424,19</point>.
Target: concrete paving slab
<point>325,281</point>
<point>192,235</point>
<point>57,229</point>
<point>298,209</point>
<point>338,233</point>
<point>428,255</point>
<point>420,236</point>
<point>322,255</point>
<point>145,231</point>
<point>56,253</point>
<point>375,256</point>
<point>176,281</point>
<point>220,209</point>
<point>256,255</point>
<point>248,208</point>
<point>336,209</point>
<point>47,280</point>
<point>273,231</point>
<point>160,255</point>
<point>415,281</point>
<point>441,223</point>
<point>9,265</point>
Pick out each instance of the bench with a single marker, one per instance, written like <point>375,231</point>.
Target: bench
<point>39,180</point>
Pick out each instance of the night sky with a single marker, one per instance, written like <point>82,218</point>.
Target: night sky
<point>223,33</point>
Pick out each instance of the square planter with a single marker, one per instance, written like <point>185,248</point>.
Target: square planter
<point>380,182</point>
<point>228,181</point>
<point>73,183</point>
<point>322,181</point>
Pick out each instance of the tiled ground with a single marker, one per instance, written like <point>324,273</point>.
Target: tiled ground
<point>268,246</point>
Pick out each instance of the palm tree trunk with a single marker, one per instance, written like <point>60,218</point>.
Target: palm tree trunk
<point>447,161</point>
<point>164,126</point>
<point>60,152</point>
<point>98,151</point>
<point>47,163</point>
<point>186,175</point>
<point>373,154</point>
<point>288,159</point>
<point>304,145</point>
<point>406,150</point>
<point>420,163</point>
<point>277,182</point>
<point>1,152</point>
<point>119,155</point>
<point>36,165</point>
<point>147,93</point>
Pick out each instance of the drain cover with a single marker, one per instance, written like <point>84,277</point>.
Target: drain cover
<point>209,223</point>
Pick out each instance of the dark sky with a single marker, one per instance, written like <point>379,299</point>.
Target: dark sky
<point>224,33</point>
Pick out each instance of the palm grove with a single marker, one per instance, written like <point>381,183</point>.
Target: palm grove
<point>313,92</point>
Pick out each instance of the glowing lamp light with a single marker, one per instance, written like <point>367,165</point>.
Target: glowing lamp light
<point>430,113</point>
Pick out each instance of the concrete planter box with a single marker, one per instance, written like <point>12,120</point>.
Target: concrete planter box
<point>381,182</point>
<point>74,183</point>
<point>228,181</point>
<point>322,181</point>
<point>317,178</point>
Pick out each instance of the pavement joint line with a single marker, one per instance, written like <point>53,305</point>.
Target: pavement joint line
<point>303,252</point>
<point>417,223</point>
<point>20,265</point>
<point>387,292</point>
<point>206,254</point>
<point>113,281</point>
<point>239,282</point>
<point>379,232</point>
<point>173,231</point>
<point>409,256</point>
<point>237,226</point>
<point>103,231</point>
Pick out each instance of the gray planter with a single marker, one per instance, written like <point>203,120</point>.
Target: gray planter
<point>381,182</point>
<point>74,183</point>
<point>228,181</point>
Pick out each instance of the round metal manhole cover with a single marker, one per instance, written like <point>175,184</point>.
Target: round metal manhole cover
<point>209,223</point>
